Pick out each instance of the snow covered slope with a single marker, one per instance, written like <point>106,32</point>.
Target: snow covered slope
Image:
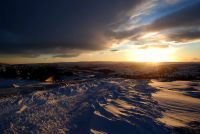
<point>101,99</point>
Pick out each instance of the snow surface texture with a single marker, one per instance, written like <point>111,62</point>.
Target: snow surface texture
<point>102,105</point>
<point>181,101</point>
<point>112,106</point>
<point>103,99</point>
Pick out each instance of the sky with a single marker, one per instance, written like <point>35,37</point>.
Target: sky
<point>43,31</point>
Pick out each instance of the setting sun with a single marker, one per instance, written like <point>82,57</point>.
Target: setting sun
<point>154,55</point>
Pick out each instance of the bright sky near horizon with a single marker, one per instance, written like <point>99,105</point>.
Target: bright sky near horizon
<point>105,30</point>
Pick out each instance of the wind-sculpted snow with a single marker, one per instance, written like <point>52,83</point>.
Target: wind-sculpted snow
<point>100,98</point>
<point>112,106</point>
<point>181,102</point>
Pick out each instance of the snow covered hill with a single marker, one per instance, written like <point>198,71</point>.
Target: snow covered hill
<point>98,101</point>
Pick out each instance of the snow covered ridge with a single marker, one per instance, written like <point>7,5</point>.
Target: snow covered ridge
<point>97,98</point>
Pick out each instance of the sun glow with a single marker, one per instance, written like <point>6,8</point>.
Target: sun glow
<point>154,55</point>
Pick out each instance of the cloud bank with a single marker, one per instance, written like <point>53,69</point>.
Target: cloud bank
<point>59,27</point>
<point>67,28</point>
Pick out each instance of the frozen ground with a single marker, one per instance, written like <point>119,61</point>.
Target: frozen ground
<point>112,106</point>
<point>181,101</point>
<point>100,103</point>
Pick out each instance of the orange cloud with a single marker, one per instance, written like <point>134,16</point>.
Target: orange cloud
<point>153,46</point>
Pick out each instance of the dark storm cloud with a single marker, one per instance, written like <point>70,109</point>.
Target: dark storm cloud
<point>66,28</point>
<point>34,27</point>
<point>114,50</point>
<point>185,17</point>
<point>180,25</point>
<point>67,55</point>
<point>185,35</point>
